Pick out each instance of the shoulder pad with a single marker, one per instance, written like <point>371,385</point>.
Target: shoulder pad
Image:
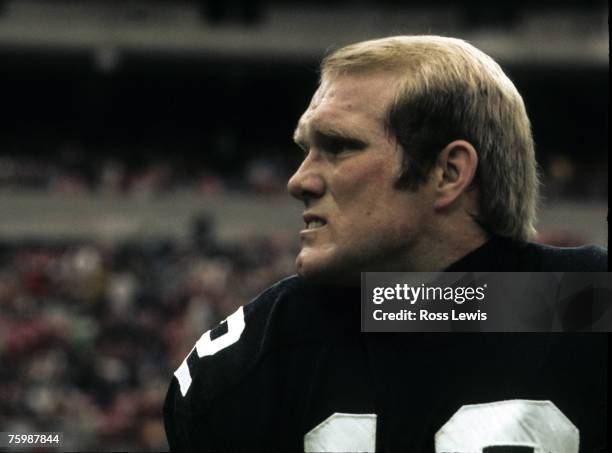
<point>224,355</point>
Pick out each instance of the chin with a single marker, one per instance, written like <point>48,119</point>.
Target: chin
<point>326,272</point>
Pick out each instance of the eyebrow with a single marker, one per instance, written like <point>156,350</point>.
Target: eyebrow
<point>329,133</point>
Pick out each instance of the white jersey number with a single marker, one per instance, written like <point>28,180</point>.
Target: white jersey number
<point>205,346</point>
<point>503,426</point>
<point>513,425</point>
<point>342,433</point>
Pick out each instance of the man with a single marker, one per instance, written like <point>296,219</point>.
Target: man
<point>418,156</point>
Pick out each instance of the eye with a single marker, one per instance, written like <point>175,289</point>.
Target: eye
<point>336,146</point>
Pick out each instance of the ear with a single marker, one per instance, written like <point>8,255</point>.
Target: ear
<point>454,172</point>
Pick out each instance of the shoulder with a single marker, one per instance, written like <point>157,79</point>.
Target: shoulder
<point>238,372</point>
<point>589,258</point>
<point>225,354</point>
<point>219,362</point>
<point>235,372</point>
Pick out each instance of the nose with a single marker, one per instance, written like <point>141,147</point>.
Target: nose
<point>307,182</point>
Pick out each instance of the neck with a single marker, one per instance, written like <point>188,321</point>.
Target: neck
<point>446,247</point>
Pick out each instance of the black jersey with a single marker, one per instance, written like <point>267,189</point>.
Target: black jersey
<point>291,371</point>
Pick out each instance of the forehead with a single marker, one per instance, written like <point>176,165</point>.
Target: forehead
<point>355,103</point>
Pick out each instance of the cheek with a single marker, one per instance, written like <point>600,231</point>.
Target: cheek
<point>362,182</point>
<point>367,206</point>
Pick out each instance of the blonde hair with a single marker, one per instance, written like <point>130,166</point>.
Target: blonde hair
<point>449,90</point>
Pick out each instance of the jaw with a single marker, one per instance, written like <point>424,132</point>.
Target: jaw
<point>322,265</point>
<point>313,259</point>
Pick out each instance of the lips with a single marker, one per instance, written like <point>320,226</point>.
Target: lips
<point>312,221</point>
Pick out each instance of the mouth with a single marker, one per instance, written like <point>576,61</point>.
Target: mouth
<point>313,222</point>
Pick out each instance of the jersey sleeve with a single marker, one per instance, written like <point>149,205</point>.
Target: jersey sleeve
<point>219,362</point>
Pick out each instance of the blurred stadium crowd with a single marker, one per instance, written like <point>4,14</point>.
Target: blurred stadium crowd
<point>75,172</point>
<point>91,333</point>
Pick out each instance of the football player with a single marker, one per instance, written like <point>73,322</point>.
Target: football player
<point>418,156</point>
